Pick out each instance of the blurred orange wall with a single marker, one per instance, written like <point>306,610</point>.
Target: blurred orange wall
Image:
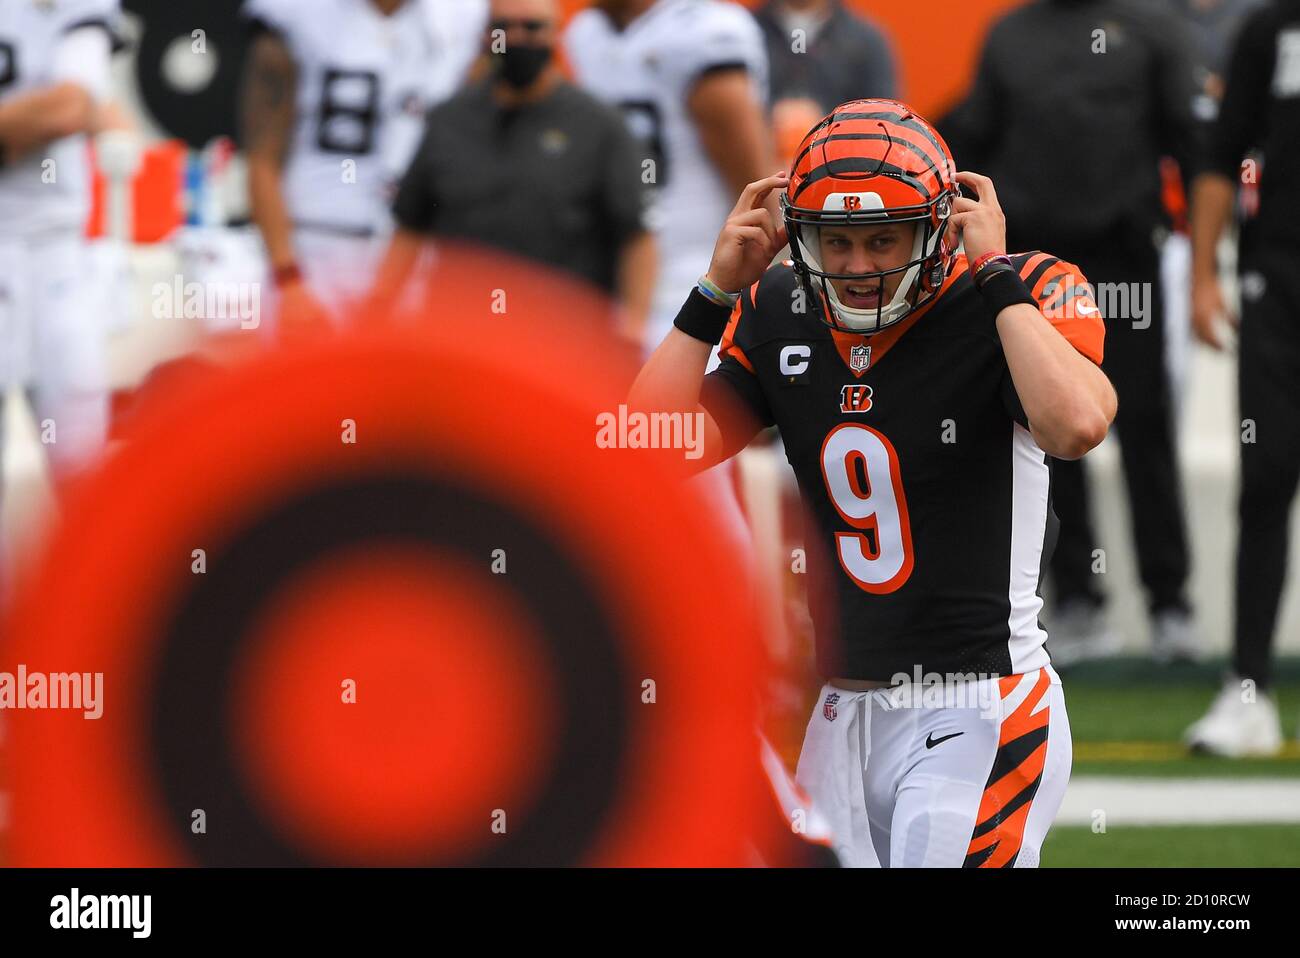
<point>936,42</point>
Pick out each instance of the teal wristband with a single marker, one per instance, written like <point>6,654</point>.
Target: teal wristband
<point>716,294</point>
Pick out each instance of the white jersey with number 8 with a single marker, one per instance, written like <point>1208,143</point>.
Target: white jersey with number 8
<point>365,82</point>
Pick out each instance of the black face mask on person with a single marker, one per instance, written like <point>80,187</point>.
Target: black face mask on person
<point>521,64</point>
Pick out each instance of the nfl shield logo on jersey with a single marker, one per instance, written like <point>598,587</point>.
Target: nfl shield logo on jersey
<point>859,358</point>
<point>828,707</point>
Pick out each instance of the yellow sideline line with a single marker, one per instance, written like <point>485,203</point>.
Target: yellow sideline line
<point>1155,752</point>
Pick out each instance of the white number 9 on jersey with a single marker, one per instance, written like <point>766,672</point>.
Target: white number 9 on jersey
<point>850,453</point>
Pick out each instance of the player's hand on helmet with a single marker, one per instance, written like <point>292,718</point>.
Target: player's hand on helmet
<point>1208,309</point>
<point>978,222</point>
<point>750,238</point>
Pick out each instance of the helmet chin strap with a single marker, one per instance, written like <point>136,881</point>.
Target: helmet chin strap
<point>869,320</point>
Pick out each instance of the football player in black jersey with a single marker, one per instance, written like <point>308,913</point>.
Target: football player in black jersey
<point>919,392</point>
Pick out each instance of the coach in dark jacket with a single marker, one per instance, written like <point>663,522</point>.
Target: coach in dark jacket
<point>1073,106</point>
<point>1260,112</point>
<point>524,162</point>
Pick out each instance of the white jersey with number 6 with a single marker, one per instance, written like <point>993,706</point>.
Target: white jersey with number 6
<point>648,70</point>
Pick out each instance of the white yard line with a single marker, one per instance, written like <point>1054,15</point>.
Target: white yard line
<point>1180,801</point>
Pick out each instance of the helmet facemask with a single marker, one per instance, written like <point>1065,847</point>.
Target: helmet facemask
<point>922,274</point>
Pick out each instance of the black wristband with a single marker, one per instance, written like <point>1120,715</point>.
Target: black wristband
<point>702,319</point>
<point>998,264</point>
<point>1004,288</point>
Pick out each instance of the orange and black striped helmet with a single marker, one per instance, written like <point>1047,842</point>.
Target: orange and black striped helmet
<point>870,162</point>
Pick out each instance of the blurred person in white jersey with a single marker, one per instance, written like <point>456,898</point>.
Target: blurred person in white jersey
<point>54,82</point>
<point>691,79</point>
<point>335,95</point>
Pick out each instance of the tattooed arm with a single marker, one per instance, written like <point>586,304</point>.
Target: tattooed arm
<point>270,84</point>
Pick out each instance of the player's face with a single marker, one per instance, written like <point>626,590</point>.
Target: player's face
<point>529,23</point>
<point>866,249</point>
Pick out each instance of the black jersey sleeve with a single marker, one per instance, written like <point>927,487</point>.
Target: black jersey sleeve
<point>732,393</point>
<point>1011,401</point>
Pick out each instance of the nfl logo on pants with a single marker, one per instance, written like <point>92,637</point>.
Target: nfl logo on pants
<point>828,707</point>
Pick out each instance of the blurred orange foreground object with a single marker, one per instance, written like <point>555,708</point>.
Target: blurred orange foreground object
<point>383,600</point>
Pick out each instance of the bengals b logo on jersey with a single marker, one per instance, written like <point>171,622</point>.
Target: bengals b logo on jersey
<point>855,398</point>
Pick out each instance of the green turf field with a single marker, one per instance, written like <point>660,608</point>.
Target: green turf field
<point>1127,717</point>
<point>1174,846</point>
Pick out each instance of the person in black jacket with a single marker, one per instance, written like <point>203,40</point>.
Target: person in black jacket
<point>1260,111</point>
<point>1073,106</point>
<point>821,51</point>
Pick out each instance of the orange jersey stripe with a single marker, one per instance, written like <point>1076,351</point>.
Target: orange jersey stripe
<point>1022,719</point>
<point>998,795</point>
<point>1078,319</point>
<point>728,346</point>
<point>1032,263</point>
<point>1014,831</point>
<point>1008,796</point>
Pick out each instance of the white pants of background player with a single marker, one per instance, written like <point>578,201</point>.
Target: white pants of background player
<point>948,785</point>
<point>1176,283</point>
<point>338,269</point>
<point>53,343</point>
